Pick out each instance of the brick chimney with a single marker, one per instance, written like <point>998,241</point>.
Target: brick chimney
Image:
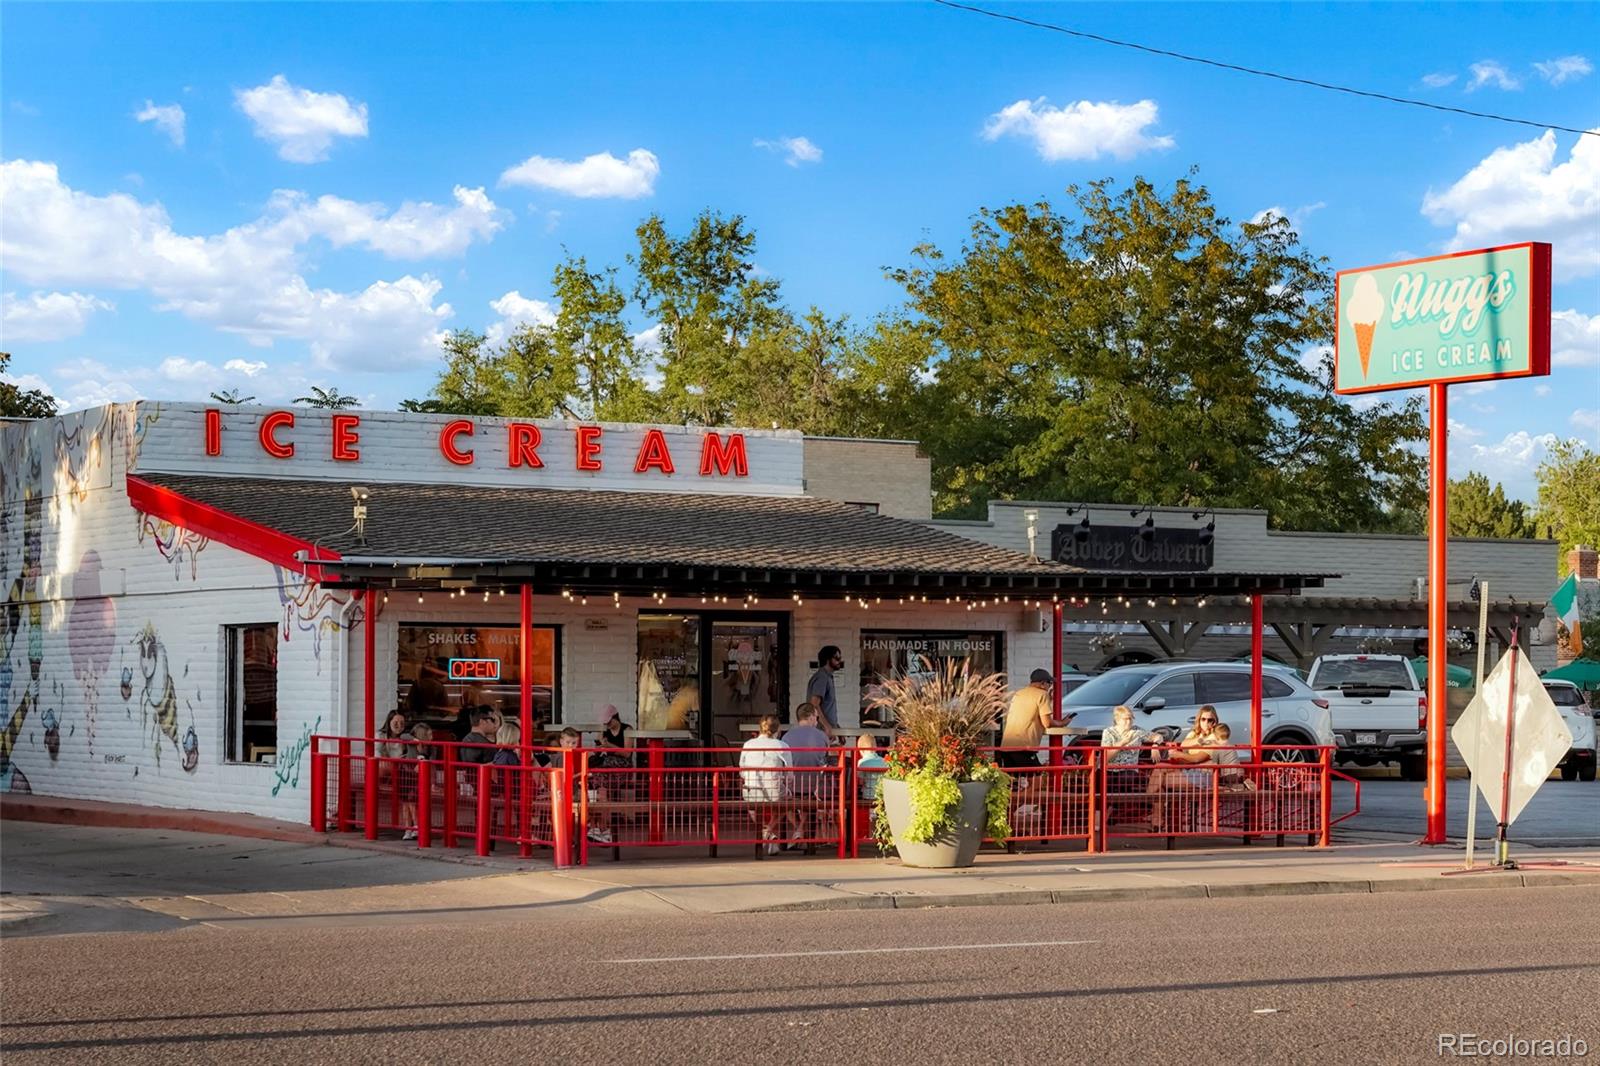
<point>1584,561</point>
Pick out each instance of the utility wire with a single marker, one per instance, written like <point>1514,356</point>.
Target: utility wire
<point>1258,73</point>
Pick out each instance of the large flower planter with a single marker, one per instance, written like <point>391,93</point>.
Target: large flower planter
<point>952,849</point>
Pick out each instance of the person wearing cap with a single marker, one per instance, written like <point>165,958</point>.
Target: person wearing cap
<point>1026,720</point>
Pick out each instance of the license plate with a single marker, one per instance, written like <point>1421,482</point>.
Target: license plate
<point>1366,738</point>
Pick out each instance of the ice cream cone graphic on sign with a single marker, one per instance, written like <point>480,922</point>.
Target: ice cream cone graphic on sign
<point>1362,312</point>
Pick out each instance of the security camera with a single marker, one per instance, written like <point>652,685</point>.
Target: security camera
<point>360,493</point>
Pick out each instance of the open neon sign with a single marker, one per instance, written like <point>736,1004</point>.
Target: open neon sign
<point>474,669</point>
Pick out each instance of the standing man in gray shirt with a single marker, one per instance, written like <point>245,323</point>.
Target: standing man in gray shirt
<point>819,693</point>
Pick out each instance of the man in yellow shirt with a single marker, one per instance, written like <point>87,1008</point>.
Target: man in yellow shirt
<point>1027,719</point>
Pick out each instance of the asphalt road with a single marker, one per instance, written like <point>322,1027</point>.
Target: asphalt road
<point>1356,979</point>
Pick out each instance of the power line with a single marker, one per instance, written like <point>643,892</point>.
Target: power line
<point>1258,73</point>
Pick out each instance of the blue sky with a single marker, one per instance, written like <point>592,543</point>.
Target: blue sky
<point>273,196</point>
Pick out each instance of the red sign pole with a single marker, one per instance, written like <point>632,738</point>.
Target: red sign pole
<point>1438,606</point>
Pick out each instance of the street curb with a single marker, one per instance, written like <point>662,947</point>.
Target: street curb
<point>50,811</point>
<point>1024,897</point>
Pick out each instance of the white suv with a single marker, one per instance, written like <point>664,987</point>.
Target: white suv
<point>1165,697</point>
<point>1579,762</point>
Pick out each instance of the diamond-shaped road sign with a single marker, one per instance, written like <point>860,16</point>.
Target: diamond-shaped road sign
<point>1539,742</point>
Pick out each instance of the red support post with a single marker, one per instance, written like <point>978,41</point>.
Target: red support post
<point>656,764</point>
<point>345,785</point>
<point>1325,809</point>
<point>319,788</point>
<point>1255,676</point>
<point>561,819</point>
<point>369,707</point>
<point>525,662</point>
<point>525,772</point>
<point>845,832</point>
<point>424,803</point>
<point>1095,802</point>
<point>1055,657</point>
<point>1438,608</point>
<point>452,785</point>
<point>483,825</point>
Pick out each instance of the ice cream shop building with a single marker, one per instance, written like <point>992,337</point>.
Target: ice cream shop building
<point>193,592</point>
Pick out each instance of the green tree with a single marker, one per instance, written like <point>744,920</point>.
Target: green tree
<point>428,406</point>
<point>1479,510</point>
<point>467,384</point>
<point>591,336</point>
<point>330,398</point>
<point>712,303</point>
<point>1146,349</point>
<point>1569,497</point>
<point>231,396</point>
<point>23,403</point>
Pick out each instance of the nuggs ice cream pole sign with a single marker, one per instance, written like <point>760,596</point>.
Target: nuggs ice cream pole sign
<point>1470,316</point>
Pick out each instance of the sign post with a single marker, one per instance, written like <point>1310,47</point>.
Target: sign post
<point>1470,316</point>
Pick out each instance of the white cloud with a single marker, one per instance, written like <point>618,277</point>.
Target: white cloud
<point>168,118</point>
<point>1296,216</point>
<point>1521,193</point>
<point>248,367</point>
<point>1574,339</point>
<point>1081,130</point>
<point>1437,80</point>
<point>796,150</point>
<point>650,371</point>
<point>245,281</point>
<point>1464,431</point>
<point>602,175</point>
<point>1564,69</point>
<point>413,231</point>
<point>300,122</point>
<point>46,316</point>
<point>1541,390</point>
<point>1511,460</point>
<point>1587,418</point>
<point>515,310</point>
<point>1491,72</point>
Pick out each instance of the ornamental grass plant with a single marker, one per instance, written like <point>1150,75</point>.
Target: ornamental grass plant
<point>941,713</point>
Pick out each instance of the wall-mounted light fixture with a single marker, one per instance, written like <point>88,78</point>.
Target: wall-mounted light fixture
<point>361,494</point>
<point>1208,532</point>
<point>1147,531</point>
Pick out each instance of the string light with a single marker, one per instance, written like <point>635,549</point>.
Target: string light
<point>419,597</point>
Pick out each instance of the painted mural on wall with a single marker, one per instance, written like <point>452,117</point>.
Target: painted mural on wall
<point>307,608</point>
<point>91,633</point>
<point>173,543</point>
<point>158,701</point>
<point>48,475</point>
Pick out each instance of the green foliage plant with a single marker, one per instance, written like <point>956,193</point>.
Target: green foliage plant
<point>941,712</point>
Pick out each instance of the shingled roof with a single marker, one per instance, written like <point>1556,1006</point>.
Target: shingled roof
<point>503,531</point>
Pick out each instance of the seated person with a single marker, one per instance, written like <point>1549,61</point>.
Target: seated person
<point>765,786</point>
<point>1232,776</point>
<point>868,759</point>
<point>479,744</point>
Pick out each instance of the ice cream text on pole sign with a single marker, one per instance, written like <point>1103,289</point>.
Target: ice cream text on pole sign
<point>1470,316</point>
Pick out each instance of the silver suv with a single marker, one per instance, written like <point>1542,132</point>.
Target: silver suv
<point>1165,697</point>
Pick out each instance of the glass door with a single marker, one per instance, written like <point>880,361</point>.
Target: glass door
<point>746,678</point>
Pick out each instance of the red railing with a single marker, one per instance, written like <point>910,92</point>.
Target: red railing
<point>438,790</point>
<point>609,799</point>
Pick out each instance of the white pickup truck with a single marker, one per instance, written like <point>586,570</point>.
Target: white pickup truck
<point>1379,710</point>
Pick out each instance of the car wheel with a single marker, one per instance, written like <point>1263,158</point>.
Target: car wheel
<point>1586,773</point>
<point>1414,767</point>
<point>1292,755</point>
<point>1569,772</point>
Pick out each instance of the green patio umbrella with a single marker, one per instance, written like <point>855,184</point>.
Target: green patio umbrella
<point>1585,673</point>
<point>1454,676</point>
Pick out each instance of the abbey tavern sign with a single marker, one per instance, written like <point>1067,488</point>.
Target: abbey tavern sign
<point>1124,548</point>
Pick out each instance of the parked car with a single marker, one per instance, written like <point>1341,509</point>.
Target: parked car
<point>1070,680</point>
<point>1579,763</point>
<point>1165,696</point>
<point>1379,710</point>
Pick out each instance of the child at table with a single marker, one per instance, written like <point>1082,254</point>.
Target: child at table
<point>1232,777</point>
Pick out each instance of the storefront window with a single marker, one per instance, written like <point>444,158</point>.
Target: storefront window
<point>888,653</point>
<point>669,671</point>
<point>444,670</point>
<point>252,693</point>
